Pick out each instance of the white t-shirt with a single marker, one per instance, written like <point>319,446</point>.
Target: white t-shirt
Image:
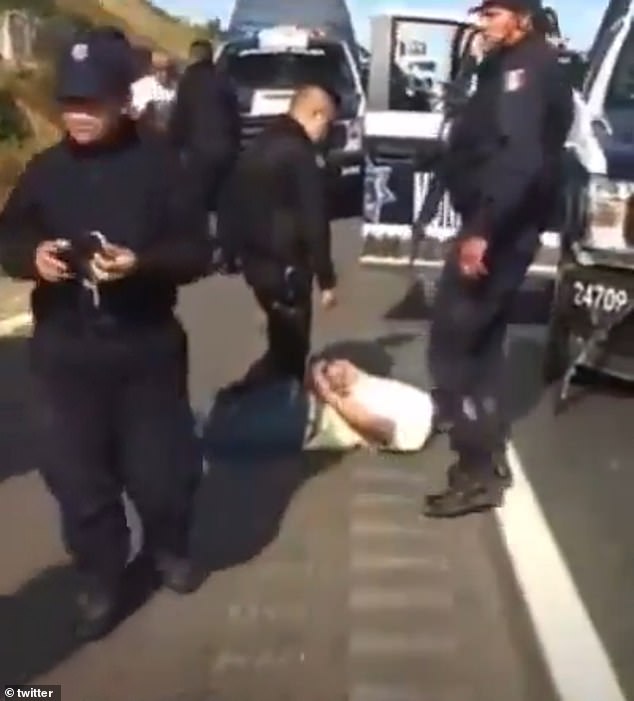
<point>410,410</point>
<point>149,89</point>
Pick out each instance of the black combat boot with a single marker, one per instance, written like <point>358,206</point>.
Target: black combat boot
<point>179,574</point>
<point>469,491</point>
<point>98,609</point>
<point>503,474</point>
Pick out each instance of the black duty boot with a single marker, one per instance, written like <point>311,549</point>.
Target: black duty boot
<point>99,606</point>
<point>467,492</point>
<point>179,574</point>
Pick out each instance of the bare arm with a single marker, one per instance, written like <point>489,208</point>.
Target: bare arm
<point>375,429</point>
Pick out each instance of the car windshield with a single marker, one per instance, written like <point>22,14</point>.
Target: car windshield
<point>420,48</point>
<point>620,92</point>
<point>286,70</point>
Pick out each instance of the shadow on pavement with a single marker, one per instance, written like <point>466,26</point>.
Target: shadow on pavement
<point>532,305</point>
<point>526,386</point>
<point>14,407</point>
<point>523,375</point>
<point>253,444</point>
<point>36,632</point>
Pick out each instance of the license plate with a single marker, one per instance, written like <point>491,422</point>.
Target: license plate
<point>599,297</point>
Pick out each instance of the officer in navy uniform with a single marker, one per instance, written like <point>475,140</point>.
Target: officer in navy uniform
<point>502,171</point>
<point>100,224</point>
<point>274,218</point>
<point>205,123</point>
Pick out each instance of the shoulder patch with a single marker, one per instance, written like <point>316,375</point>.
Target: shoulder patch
<point>79,52</point>
<point>514,80</point>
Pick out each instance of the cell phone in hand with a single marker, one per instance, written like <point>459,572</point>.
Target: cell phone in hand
<point>78,252</point>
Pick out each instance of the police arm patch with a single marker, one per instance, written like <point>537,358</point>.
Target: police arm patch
<point>514,80</point>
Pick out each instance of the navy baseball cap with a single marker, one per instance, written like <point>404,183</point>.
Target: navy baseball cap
<point>95,67</point>
<point>531,7</point>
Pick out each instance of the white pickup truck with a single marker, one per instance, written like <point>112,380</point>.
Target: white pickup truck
<point>268,65</point>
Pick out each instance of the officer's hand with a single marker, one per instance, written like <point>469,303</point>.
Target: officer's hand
<point>328,299</point>
<point>48,263</point>
<point>113,263</point>
<point>471,253</point>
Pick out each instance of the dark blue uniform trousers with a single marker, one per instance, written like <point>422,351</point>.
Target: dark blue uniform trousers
<point>467,353</point>
<point>111,413</point>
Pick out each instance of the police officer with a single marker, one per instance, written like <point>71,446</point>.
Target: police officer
<point>502,170</point>
<point>275,213</point>
<point>99,222</point>
<point>205,123</point>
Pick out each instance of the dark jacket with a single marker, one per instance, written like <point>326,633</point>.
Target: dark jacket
<point>506,146</point>
<point>205,124</point>
<point>132,193</point>
<point>274,213</point>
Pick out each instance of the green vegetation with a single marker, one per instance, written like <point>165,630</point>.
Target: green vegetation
<point>37,7</point>
<point>27,113</point>
<point>14,127</point>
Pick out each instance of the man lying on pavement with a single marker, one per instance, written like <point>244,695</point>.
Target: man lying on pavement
<point>340,408</point>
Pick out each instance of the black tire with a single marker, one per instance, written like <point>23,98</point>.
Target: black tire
<point>557,353</point>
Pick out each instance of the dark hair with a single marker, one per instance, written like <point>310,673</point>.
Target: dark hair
<point>110,32</point>
<point>546,22</point>
<point>332,94</point>
<point>201,48</point>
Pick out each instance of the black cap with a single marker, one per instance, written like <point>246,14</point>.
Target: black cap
<point>531,7</point>
<point>95,67</point>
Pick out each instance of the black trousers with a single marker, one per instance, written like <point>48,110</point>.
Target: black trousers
<point>467,359</point>
<point>288,335</point>
<point>111,414</point>
<point>431,203</point>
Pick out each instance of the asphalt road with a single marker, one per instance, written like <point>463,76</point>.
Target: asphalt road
<point>326,583</point>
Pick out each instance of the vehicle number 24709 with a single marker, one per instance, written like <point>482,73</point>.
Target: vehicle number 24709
<point>600,297</point>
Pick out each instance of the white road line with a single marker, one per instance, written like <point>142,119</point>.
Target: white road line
<point>12,323</point>
<point>536,269</point>
<point>579,664</point>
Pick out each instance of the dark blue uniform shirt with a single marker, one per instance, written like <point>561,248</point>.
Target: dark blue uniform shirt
<point>506,146</point>
<point>130,191</point>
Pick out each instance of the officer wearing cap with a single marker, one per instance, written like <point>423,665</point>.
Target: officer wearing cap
<point>99,223</point>
<point>205,123</point>
<point>502,170</point>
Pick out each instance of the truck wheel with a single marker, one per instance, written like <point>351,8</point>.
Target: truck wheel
<point>557,352</point>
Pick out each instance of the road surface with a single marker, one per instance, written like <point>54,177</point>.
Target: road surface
<point>327,585</point>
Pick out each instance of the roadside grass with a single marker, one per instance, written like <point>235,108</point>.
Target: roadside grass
<point>31,88</point>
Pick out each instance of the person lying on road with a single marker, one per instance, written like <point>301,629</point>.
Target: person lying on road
<point>353,409</point>
<point>340,407</point>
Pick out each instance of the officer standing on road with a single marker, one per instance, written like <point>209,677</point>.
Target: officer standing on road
<point>503,166</point>
<point>100,223</point>
<point>274,217</point>
<point>205,123</point>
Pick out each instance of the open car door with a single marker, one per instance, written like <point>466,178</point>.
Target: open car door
<point>415,60</point>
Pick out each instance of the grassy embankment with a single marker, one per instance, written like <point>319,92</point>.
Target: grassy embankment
<point>30,88</point>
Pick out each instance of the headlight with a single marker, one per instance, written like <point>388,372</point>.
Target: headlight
<point>610,214</point>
